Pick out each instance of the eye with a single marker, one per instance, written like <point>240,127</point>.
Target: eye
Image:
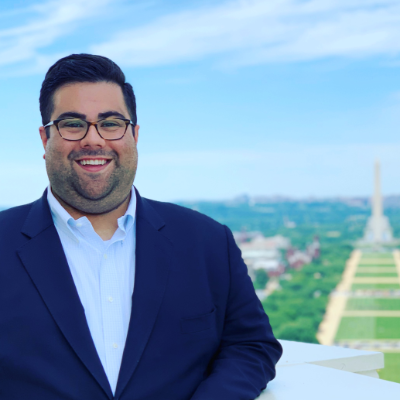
<point>72,123</point>
<point>112,123</point>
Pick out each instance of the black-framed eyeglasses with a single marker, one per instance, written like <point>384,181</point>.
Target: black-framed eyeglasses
<point>74,129</point>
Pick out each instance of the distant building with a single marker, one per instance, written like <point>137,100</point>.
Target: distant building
<point>297,258</point>
<point>273,254</point>
<point>245,236</point>
<point>314,248</point>
<point>261,252</point>
<point>287,223</point>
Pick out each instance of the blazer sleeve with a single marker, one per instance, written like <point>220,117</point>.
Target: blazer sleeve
<point>248,352</point>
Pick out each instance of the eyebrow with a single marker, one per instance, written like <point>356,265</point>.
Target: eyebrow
<point>71,114</point>
<point>103,115</point>
<point>111,114</point>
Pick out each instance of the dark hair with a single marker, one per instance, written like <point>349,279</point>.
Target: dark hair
<point>83,68</point>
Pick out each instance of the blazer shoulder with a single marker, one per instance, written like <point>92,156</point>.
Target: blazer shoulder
<point>13,218</point>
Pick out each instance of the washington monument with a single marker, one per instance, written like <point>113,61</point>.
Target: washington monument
<point>378,228</point>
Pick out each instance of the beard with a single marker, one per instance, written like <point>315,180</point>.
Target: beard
<point>91,193</point>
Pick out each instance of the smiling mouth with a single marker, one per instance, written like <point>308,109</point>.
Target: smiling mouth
<point>93,164</point>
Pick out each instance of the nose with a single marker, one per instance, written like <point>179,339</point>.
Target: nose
<point>93,139</point>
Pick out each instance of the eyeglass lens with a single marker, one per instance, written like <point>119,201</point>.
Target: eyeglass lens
<point>75,129</point>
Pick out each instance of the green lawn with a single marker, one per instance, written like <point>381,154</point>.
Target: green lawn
<point>377,286</point>
<point>377,265</point>
<point>377,275</point>
<point>375,327</point>
<point>368,328</point>
<point>374,255</point>
<point>373,304</point>
<point>391,372</point>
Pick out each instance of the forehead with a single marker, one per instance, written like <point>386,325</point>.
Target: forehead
<point>89,98</point>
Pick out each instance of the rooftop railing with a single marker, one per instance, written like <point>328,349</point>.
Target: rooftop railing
<point>317,372</point>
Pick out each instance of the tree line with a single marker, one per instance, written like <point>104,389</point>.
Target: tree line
<point>297,309</point>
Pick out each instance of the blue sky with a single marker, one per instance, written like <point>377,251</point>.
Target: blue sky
<point>287,97</point>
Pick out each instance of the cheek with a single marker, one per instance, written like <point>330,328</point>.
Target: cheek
<point>57,152</point>
<point>127,152</point>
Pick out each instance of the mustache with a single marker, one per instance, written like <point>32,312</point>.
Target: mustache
<point>93,153</point>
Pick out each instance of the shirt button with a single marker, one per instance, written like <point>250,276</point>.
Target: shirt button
<point>105,256</point>
<point>78,224</point>
<point>110,299</point>
<point>115,345</point>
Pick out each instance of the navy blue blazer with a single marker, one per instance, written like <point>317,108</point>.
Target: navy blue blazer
<point>197,330</point>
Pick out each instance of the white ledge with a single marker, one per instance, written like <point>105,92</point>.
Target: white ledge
<point>311,371</point>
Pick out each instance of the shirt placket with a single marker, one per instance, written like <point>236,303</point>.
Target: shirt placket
<point>111,314</point>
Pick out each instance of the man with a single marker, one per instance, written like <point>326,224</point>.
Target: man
<point>108,295</point>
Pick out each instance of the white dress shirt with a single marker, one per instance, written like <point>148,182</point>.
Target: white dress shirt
<point>104,274</point>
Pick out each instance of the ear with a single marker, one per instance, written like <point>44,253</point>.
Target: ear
<point>43,136</point>
<point>137,127</point>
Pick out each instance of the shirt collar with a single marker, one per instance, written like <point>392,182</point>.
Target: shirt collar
<point>64,221</point>
<point>127,220</point>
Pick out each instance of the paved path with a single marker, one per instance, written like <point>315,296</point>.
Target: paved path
<point>385,345</point>
<point>337,303</point>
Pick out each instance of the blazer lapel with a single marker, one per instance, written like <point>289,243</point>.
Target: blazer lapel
<point>153,260</point>
<point>45,262</point>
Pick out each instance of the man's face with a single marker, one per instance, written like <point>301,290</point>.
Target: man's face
<point>92,189</point>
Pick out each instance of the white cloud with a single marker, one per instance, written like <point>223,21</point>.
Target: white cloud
<point>259,31</point>
<point>48,22</point>
<point>235,32</point>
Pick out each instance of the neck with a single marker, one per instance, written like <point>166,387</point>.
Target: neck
<point>105,224</point>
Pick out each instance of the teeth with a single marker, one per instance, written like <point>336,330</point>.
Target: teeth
<point>92,162</point>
